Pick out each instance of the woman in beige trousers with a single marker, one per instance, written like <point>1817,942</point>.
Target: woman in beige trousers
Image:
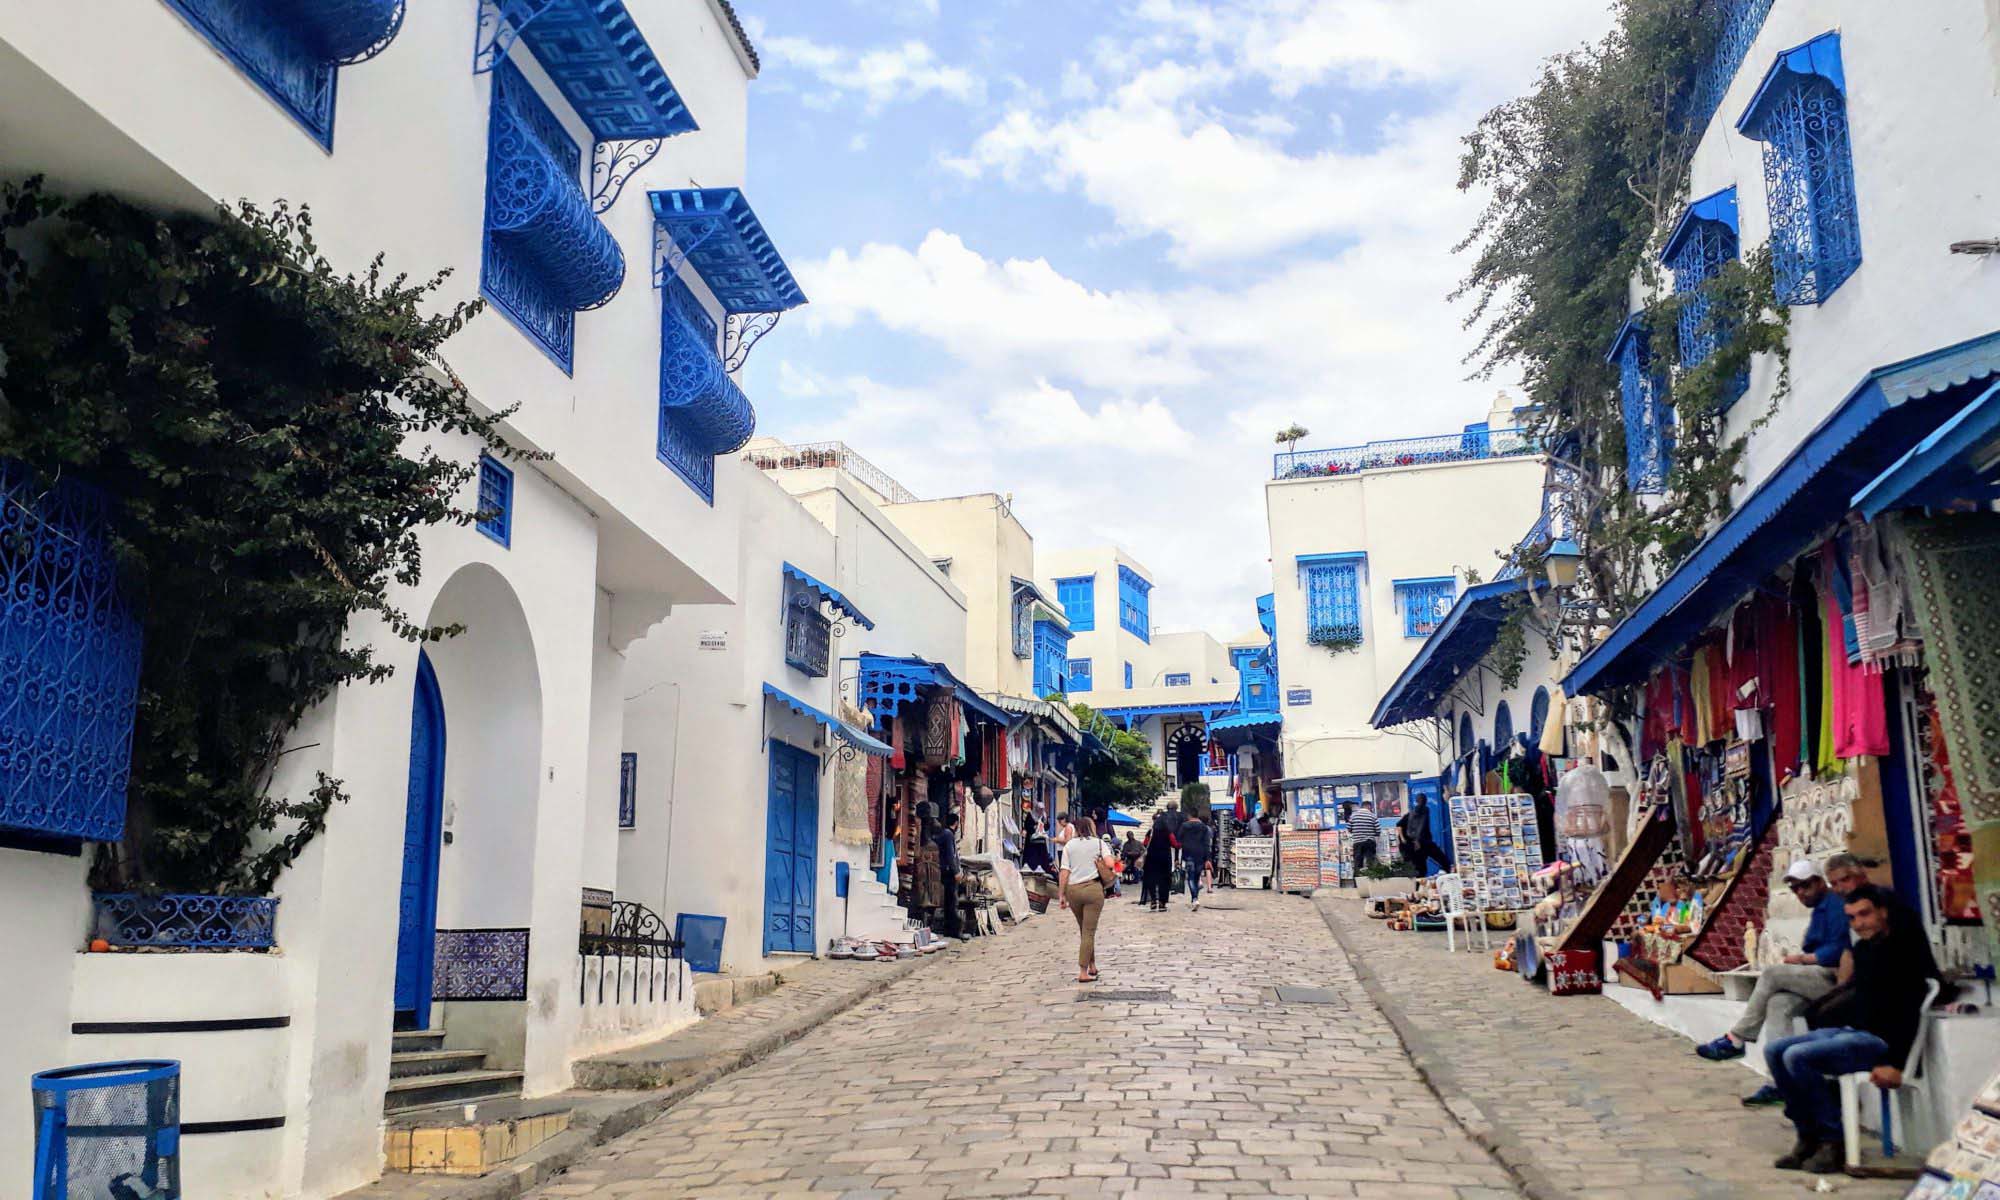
<point>1083,892</point>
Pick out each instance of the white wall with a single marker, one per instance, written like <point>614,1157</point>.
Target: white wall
<point>988,548</point>
<point>1412,522</point>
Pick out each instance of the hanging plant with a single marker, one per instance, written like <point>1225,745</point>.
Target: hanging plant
<point>264,426</point>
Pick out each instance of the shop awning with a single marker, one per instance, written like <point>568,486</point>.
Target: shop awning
<point>1465,635</point>
<point>1243,720</point>
<point>888,682</point>
<point>1308,781</point>
<point>850,734</point>
<point>1057,716</point>
<point>1956,462</point>
<point>1892,412</point>
<point>830,595</point>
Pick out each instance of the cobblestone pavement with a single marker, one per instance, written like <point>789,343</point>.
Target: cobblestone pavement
<point>1581,1097</point>
<point>994,1074</point>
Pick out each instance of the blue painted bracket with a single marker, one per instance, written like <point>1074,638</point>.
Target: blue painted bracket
<point>500,25</point>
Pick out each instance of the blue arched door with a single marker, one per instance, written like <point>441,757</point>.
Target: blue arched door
<point>416,925</point>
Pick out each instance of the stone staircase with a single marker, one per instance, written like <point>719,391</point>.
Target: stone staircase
<point>423,1074</point>
<point>872,912</point>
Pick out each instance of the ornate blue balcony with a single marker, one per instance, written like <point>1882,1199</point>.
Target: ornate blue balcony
<point>714,230</point>
<point>341,31</point>
<point>593,51</point>
<point>540,210</point>
<point>1469,446</point>
<point>695,389</point>
<point>182,922</point>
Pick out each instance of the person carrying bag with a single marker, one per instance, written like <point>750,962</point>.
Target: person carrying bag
<point>1087,871</point>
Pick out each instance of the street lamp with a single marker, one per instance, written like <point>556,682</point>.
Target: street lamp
<point>1563,561</point>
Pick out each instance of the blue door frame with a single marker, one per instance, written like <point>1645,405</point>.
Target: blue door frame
<point>791,851</point>
<point>1440,817</point>
<point>416,923</point>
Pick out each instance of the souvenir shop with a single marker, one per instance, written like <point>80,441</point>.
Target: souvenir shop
<point>1248,742</point>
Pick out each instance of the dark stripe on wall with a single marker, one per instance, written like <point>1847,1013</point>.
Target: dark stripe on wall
<point>197,1128</point>
<point>225,1025</point>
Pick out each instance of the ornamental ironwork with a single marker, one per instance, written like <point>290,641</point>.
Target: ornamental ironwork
<point>635,932</point>
<point>1425,603</point>
<point>480,964</point>
<point>1648,414</point>
<point>702,411</point>
<point>1700,249</point>
<point>69,662</point>
<point>1023,621</point>
<point>1469,445</point>
<point>185,922</point>
<point>612,164</point>
<point>836,456</point>
<point>1736,23</point>
<point>1809,180</point>
<point>808,635</point>
<point>1333,603</point>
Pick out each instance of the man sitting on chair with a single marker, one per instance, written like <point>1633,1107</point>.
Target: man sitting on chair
<point>1784,989</point>
<point>1868,1022</point>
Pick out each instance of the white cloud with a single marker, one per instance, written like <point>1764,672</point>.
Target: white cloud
<point>881,76</point>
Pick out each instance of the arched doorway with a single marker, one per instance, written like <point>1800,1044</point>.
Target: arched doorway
<point>1186,747</point>
<point>416,923</point>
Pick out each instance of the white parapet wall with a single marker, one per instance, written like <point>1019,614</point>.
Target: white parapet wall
<point>629,1001</point>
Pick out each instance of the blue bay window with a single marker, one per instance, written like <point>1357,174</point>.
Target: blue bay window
<point>1648,406</point>
<point>1051,659</point>
<point>1079,675</point>
<point>1703,242</point>
<point>1332,584</point>
<point>496,500</point>
<point>69,664</point>
<point>1135,604</point>
<point>1257,687</point>
<point>1800,114</point>
<point>1424,602</point>
<point>1078,597</point>
<point>293,49</point>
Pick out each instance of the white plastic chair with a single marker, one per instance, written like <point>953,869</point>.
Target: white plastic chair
<point>1893,1112</point>
<point>1451,898</point>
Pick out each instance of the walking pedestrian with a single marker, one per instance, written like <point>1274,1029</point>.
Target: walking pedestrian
<point>1197,851</point>
<point>1082,890</point>
<point>1156,880</point>
<point>1363,829</point>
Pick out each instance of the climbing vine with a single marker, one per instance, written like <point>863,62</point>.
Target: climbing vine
<point>1583,177</point>
<point>263,425</point>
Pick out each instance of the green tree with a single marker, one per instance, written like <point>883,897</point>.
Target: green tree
<point>268,430</point>
<point>1125,775</point>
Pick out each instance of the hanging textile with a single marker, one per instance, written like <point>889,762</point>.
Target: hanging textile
<point>1720,703</point>
<point>851,795</point>
<point>1778,681</point>
<point>1955,565</point>
<point>940,729</point>
<point>1554,727</point>
<point>1654,732</point>
<point>1860,708</point>
<point>1698,681</point>
<point>1835,582</point>
<point>1889,636</point>
<point>873,786</point>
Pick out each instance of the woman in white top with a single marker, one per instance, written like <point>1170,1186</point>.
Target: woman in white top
<point>1082,892</point>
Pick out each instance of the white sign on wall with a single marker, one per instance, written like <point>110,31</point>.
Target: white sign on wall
<point>1294,697</point>
<point>712,639</point>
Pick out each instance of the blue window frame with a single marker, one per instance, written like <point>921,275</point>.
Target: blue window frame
<point>546,255</point>
<point>628,790</point>
<point>1180,679</point>
<point>1649,411</point>
<point>1702,243</point>
<point>1079,675</point>
<point>71,663</point>
<point>293,52</point>
<point>1800,114</point>
<point>1078,597</point>
<point>1051,659</point>
<point>1737,23</point>
<point>496,500</point>
<point>1332,584</point>
<point>1257,688</point>
<point>1424,602</point>
<point>1128,676</point>
<point>687,334</point>
<point>1134,604</point>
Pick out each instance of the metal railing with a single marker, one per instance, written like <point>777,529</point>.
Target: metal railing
<point>809,456</point>
<point>635,932</point>
<point>1469,446</point>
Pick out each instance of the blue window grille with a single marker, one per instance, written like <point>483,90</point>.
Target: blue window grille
<point>1128,676</point>
<point>496,500</point>
<point>808,632</point>
<point>702,411</point>
<point>1503,727</point>
<point>1078,597</point>
<point>628,790</point>
<point>293,52</point>
<point>1135,604</point>
<point>1180,679</point>
<point>1736,23</point>
<point>1800,114</point>
<point>69,663</point>
<point>1702,243</point>
<point>1051,658</point>
<point>186,922</point>
<point>546,255</point>
<point>1023,620</point>
<point>1332,584</point>
<point>1424,603</point>
<point>1079,675</point>
<point>1649,413</point>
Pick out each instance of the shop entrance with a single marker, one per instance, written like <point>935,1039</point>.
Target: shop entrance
<point>791,851</point>
<point>1185,749</point>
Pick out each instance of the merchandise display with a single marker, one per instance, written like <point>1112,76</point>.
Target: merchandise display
<point>1497,845</point>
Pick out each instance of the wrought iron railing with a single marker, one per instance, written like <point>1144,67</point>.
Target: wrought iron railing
<point>807,456</point>
<point>1469,446</point>
<point>184,922</point>
<point>635,932</point>
<point>808,640</point>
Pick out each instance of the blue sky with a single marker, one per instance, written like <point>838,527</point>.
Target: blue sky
<point>1095,252</point>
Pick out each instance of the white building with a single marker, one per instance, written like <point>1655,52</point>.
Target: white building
<point>490,765</point>
<point>1370,546</point>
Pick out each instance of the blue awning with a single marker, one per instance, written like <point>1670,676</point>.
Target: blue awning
<point>850,734</point>
<point>1818,58</point>
<point>1956,462</point>
<point>1120,817</point>
<point>595,54</point>
<point>887,683</point>
<point>1467,632</point>
<point>1891,412</point>
<point>728,248</point>
<point>1719,208</point>
<point>830,595</point>
<point>1246,720</point>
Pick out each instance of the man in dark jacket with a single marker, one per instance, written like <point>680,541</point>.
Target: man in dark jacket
<point>1867,1023</point>
<point>946,841</point>
<point>1197,846</point>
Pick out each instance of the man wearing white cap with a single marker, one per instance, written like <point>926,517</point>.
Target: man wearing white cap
<point>1783,990</point>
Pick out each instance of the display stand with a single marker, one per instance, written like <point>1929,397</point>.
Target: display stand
<point>1253,861</point>
<point>1298,860</point>
<point>1498,845</point>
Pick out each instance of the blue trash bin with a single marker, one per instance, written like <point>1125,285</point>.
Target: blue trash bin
<point>110,1130</point>
<point>701,940</point>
